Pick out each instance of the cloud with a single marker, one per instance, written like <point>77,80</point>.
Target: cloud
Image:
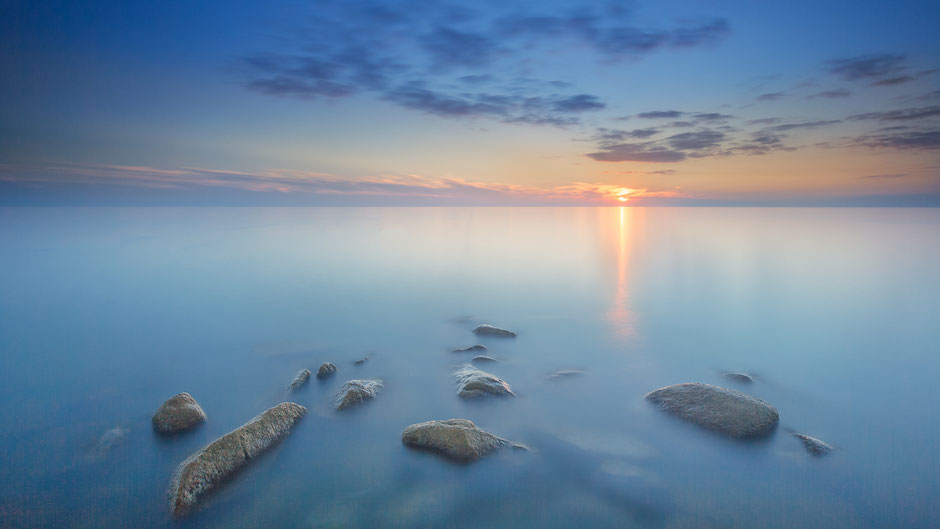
<point>694,141</point>
<point>805,125</point>
<point>424,55</point>
<point>904,114</point>
<point>866,67</point>
<point>907,140</point>
<point>892,81</point>
<point>889,176</point>
<point>660,114</point>
<point>832,94</point>
<point>637,152</point>
<point>772,96</point>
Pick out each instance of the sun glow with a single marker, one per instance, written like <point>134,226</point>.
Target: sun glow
<point>623,193</point>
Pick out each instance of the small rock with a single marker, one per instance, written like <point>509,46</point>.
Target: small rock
<point>361,361</point>
<point>473,383</point>
<point>326,369</point>
<point>488,330</point>
<point>457,439</point>
<point>178,413</point>
<point>106,442</point>
<point>471,349</point>
<point>739,377</point>
<point>719,409</point>
<point>564,373</point>
<point>483,358</point>
<point>355,392</point>
<point>814,446</point>
<point>302,377</point>
<point>219,460</point>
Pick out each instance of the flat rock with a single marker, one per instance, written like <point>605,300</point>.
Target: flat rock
<point>483,358</point>
<point>457,439</point>
<point>221,459</point>
<point>355,392</point>
<point>488,330</point>
<point>180,412</point>
<point>472,349</point>
<point>719,409</point>
<point>473,383</point>
<point>302,377</point>
<point>326,369</point>
<point>814,446</point>
<point>739,377</point>
<point>361,361</point>
<point>564,373</point>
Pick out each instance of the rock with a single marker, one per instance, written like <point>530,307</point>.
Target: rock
<point>482,358</point>
<point>739,377</point>
<point>471,349</point>
<point>719,409</point>
<point>326,369</point>
<point>488,330</point>
<point>106,442</point>
<point>180,412</point>
<point>302,377</point>
<point>219,460</point>
<point>355,392</point>
<point>457,439</point>
<point>473,383</point>
<point>361,361</point>
<point>564,373</point>
<point>814,446</point>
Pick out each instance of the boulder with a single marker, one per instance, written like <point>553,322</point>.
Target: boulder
<point>302,377</point>
<point>361,361</point>
<point>484,359</point>
<point>326,369</point>
<point>180,412</point>
<point>472,349</point>
<point>488,330</point>
<point>457,439</point>
<point>221,459</point>
<point>739,377</point>
<point>355,392</point>
<point>719,409</point>
<point>473,383</point>
<point>814,446</point>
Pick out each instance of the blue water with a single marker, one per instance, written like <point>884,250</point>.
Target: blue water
<point>105,313</point>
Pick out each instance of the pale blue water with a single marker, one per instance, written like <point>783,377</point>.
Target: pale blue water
<point>105,313</point>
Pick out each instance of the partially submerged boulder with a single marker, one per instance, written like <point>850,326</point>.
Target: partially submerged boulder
<point>739,377</point>
<point>180,412</point>
<point>472,349</point>
<point>484,359</point>
<point>302,377</point>
<point>355,392</point>
<point>361,361</point>
<point>457,439</point>
<point>326,369</point>
<point>106,442</point>
<point>564,373</point>
<point>210,466</point>
<point>488,330</point>
<point>473,383</point>
<point>814,446</point>
<point>719,409</point>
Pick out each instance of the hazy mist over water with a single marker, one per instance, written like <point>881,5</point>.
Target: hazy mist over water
<point>107,312</point>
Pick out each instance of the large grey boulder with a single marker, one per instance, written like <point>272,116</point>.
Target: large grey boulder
<point>719,409</point>
<point>355,392</point>
<point>302,377</point>
<point>219,460</point>
<point>326,369</point>
<point>814,446</point>
<point>180,412</point>
<point>488,330</point>
<point>473,383</point>
<point>457,439</point>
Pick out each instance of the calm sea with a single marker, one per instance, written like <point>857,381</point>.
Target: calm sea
<point>105,313</point>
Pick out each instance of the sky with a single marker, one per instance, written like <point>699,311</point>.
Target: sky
<point>366,102</point>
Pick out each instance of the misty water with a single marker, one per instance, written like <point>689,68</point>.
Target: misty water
<point>105,313</point>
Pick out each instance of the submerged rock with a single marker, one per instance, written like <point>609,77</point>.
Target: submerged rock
<point>484,359</point>
<point>180,412</point>
<point>471,349</point>
<point>814,446</point>
<point>361,361</point>
<point>326,369</point>
<point>219,460</point>
<point>719,409</point>
<point>106,442</point>
<point>457,439</point>
<point>564,373</point>
<point>302,377</point>
<point>739,377</point>
<point>355,392</point>
<point>488,330</point>
<point>473,383</point>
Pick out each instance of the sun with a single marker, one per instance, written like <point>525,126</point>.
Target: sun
<point>623,193</point>
<point>622,199</point>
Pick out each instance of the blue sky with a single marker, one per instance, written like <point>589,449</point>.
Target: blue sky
<point>366,102</point>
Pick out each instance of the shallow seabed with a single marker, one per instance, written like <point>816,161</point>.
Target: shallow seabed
<point>105,313</point>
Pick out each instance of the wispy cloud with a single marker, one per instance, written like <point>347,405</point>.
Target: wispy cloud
<point>867,67</point>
